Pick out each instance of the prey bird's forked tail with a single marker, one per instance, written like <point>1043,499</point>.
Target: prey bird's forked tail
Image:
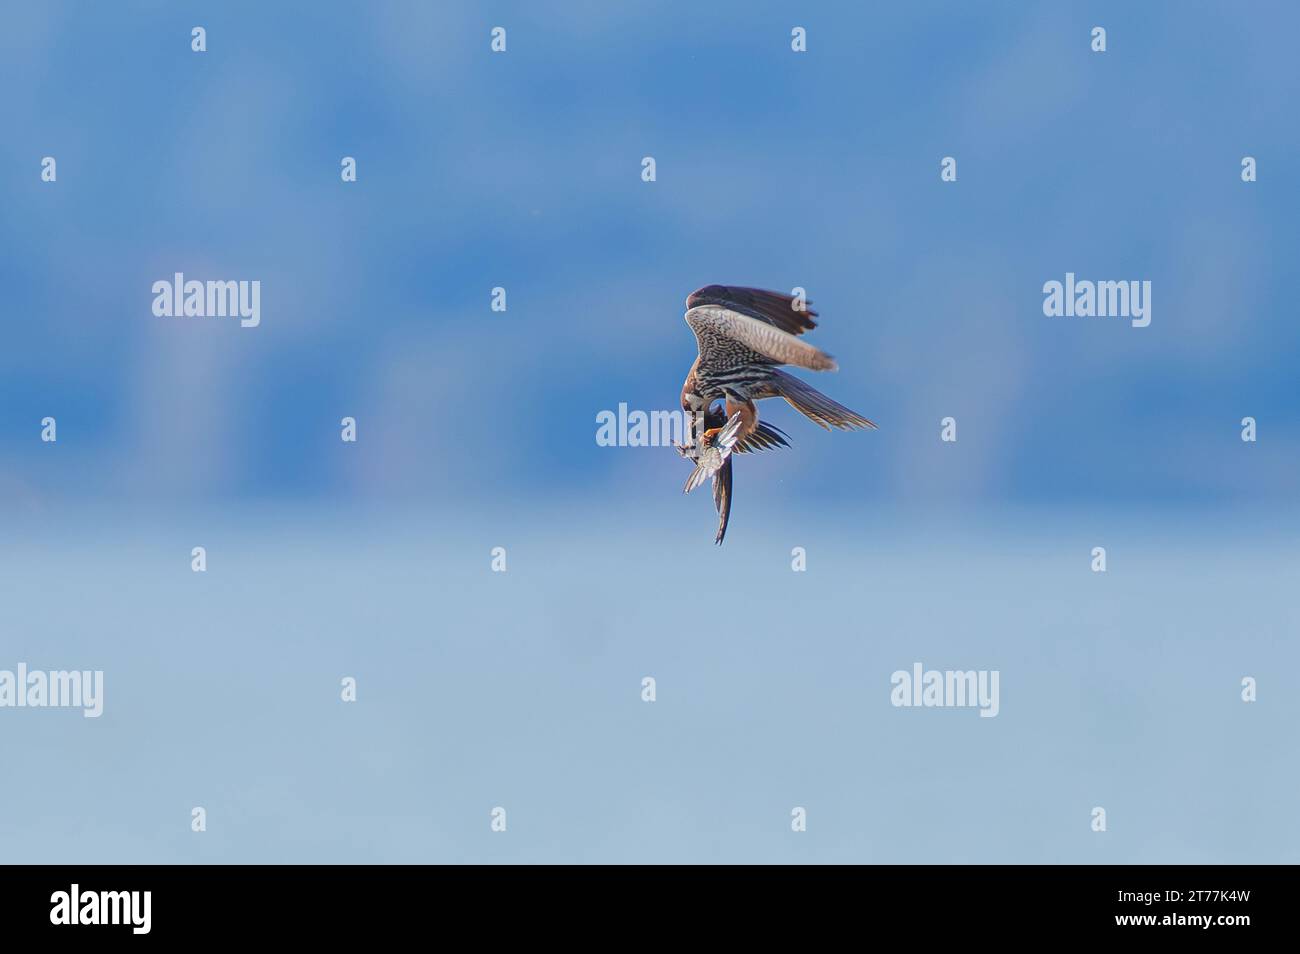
<point>722,498</point>
<point>814,405</point>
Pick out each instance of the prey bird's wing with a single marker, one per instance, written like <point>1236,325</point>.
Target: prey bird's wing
<point>711,457</point>
<point>722,332</point>
<point>705,467</point>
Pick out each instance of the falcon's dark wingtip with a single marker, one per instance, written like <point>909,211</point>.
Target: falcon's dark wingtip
<point>769,306</point>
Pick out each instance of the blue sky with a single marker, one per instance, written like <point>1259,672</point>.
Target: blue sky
<point>522,170</point>
<point>476,428</point>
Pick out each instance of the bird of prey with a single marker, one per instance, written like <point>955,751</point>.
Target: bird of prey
<point>743,336</point>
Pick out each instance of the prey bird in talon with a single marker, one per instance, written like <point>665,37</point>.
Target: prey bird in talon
<point>765,436</point>
<point>743,336</point>
<point>711,454</point>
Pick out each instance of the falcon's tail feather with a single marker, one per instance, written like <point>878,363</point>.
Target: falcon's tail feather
<point>815,406</point>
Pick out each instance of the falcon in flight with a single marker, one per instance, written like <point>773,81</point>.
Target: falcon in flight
<point>744,335</point>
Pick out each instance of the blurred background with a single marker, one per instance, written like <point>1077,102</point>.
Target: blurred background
<point>476,429</point>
